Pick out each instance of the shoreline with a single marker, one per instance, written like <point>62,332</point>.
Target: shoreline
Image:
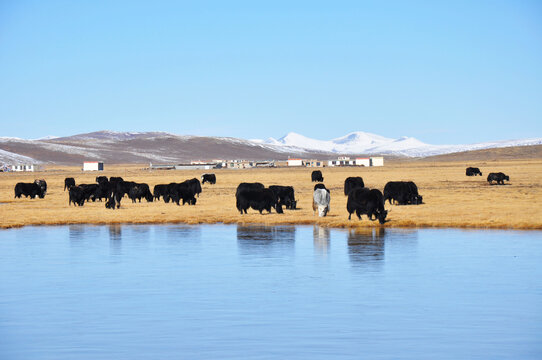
<point>352,227</point>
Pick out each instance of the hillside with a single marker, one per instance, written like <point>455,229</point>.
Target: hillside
<point>122,148</point>
<point>508,153</point>
<point>160,147</point>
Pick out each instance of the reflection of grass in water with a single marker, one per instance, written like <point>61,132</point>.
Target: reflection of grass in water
<point>450,198</point>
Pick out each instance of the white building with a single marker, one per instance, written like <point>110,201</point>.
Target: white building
<point>341,161</point>
<point>362,162</point>
<point>93,166</point>
<point>346,161</point>
<point>25,167</point>
<point>295,162</point>
<point>377,161</point>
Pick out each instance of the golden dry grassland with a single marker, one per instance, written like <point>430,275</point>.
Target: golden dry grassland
<point>451,199</point>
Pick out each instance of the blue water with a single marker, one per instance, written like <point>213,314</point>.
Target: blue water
<point>241,292</point>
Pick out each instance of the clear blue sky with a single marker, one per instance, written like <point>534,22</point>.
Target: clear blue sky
<point>443,72</point>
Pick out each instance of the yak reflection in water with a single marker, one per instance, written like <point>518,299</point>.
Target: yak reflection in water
<point>115,239</point>
<point>266,240</point>
<point>115,232</point>
<point>321,236</point>
<point>366,246</point>
<point>76,232</point>
<point>81,235</point>
<point>181,233</point>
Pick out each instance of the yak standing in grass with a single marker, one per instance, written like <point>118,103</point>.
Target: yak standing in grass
<point>29,190</point>
<point>256,196</point>
<point>139,191</point>
<point>160,190</point>
<point>285,196</point>
<point>180,191</point>
<point>497,177</point>
<point>194,184</point>
<point>89,191</point>
<point>317,176</point>
<point>402,192</point>
<point>364,201</point>
<point>473,171</point>
<point>76,195</point>
<point>210,178</point>
<point>321,200</point>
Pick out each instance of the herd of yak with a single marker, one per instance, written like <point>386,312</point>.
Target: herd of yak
<point>361,200</point>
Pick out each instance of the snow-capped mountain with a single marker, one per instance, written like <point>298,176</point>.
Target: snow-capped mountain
<point>367,143</point>
<point>353,143</point>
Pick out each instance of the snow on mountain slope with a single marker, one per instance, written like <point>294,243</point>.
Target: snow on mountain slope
<point>108,136</point>
<point>7,157</point>
<point>367,143</point>
<point>355,142</point>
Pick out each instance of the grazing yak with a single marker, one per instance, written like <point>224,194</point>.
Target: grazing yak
<point>498,177</point>
<point>320,201</point>
<point>29,189</point>
<point>210,178</point>
<point>256,196</point>
<point>368,202</point>
<point>472,171</point>
<point>77,195</point>
<point>177,191</point>
<point>285,196</point>
<point>160,190</point>
<point>317,176</point>
<point>68,182</point>
<point>89,191</point>
<point>352,183</point>
<point>194,185</point>
<point>42,184</point>
<point>104,191</point>
<point>139,191</point>
<point>402,192</point>
<point>121,188</point>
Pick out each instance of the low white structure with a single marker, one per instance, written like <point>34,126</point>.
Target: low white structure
<point>202,166</point>
<point>363,162</point>
<point>346,161</point>
<point>24,167</point>
<point>341,161</point>
<point>377,161</point>
<point>295,162</point>
<point>93,166</point>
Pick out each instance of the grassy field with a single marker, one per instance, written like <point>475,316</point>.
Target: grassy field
<point>450,198</point>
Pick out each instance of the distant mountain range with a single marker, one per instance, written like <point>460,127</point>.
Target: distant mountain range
<point>367,143</point>
<point>161,147</point>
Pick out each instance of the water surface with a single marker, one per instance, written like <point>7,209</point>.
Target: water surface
<point>234,292</point>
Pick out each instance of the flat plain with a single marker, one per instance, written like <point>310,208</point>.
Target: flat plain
<point>451,199</point>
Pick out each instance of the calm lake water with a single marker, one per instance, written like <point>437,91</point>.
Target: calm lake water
<point>249,292</point>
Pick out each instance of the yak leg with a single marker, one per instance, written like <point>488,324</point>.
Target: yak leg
<point>358,213</point>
